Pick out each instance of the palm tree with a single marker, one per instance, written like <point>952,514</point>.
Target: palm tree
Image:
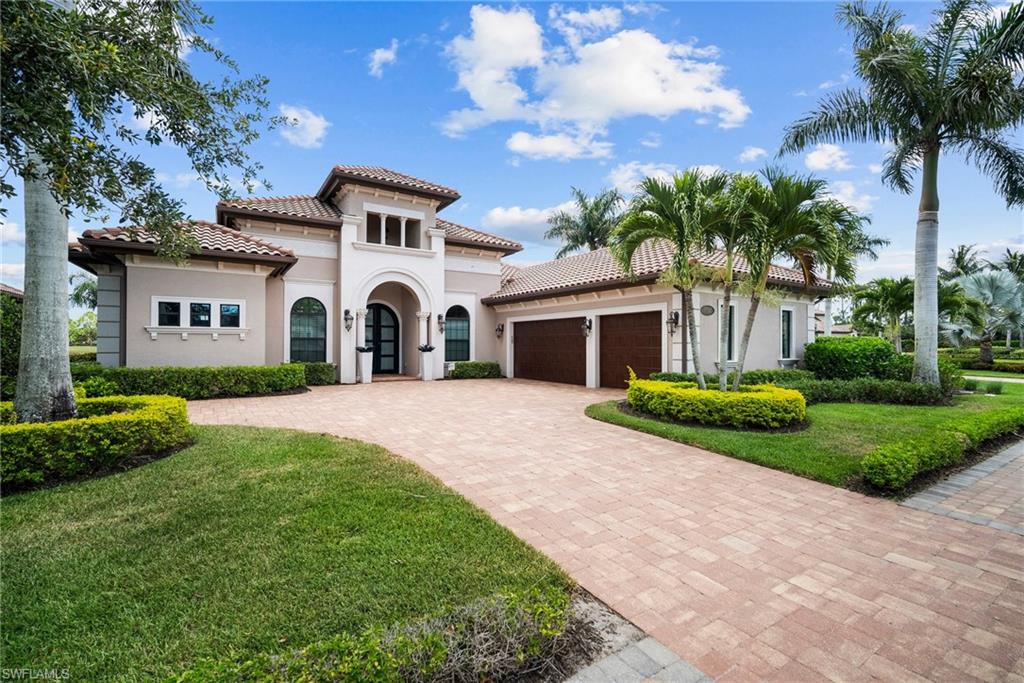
<point>681,211</point>
<point>961,261</point>
<point>589,226</point>
<point>884,303</point>
<point>858,244</point>
<point>1012,262</point>
<point>798,222</point>
<point>955,88</point>
<point>1001,300</point>
<point>83,294</point>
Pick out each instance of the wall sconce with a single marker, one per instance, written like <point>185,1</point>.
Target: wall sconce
<point>440,323</point>
<point>672,322</point>
<point>587,326</point>
<point>348,320</point>
<point>499,330</point>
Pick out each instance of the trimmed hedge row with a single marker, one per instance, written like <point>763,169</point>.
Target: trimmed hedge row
<point>1000,365</point>
<point>868,390</point>
<point>761,405</point>
<point>749,377</point>
<point>848,357</point>
<point>493,639</point>
<point>892,466</point>
<point>190,383</point>
<point>105,433</point>
<point>320,374</point>
<point>475,369</point>
<point>83,357</point>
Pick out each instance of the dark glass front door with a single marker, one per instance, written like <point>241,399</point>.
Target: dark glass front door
<point>382,334</point>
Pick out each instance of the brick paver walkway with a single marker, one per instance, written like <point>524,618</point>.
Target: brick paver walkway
<point>746,572</point>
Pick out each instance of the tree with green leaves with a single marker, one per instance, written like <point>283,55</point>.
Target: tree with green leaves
<point>963,260</point>
<point>1011,261</point>
<point>77,84</point>
<point>1000,305</point>
<point>957,87</point>
<point>682,211</point>
<point>858,244</point>
<point>884,304</point>
<point>589,226</point>
<point>83,290</point>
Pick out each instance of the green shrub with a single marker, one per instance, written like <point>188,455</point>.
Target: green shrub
<point>8,385</point>
<point>10,334</point>
<point>475,369</point>
<point>868,390</point>
<point>991,424</point>
<point>319,374</point>
<point>994,388</point>
<point>502,638</point>
<point>98,385</point>
<point>970,385</point>
<point>83,356</point>
<point>196,383</point>
<point>105,433</point>
<point>82,331</point>
<point>901,367</point>
<point>761,405</point>
<point>848,357</point>
<point>769,376</point>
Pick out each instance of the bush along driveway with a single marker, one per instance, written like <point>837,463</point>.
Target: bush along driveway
<point>744,571</point>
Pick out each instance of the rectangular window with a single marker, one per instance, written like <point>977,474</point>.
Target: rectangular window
<point>199,315</point>
<point>456,339</point>
<point>230,315</point>
<point>732,333</point>
<point>787,334</point>
<point>169,314</point>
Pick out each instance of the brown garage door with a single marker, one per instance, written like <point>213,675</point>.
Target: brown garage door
<point>551,350</point>
<point>631,339</point>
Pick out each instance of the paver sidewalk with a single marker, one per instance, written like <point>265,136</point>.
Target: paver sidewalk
<point>747,573</point>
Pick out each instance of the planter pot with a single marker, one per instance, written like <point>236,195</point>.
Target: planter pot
<point>365,366</point>
<point>426,366</point>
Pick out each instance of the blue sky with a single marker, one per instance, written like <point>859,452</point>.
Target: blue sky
<point>513,104</point>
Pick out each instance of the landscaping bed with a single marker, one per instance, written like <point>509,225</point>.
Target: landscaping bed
<point>200,382</point>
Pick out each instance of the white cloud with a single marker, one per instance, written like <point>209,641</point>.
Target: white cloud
<point>577,25</point>
<point>142,121</point>
<point>304,128</point>
<point>651,140</point>
<point>560,146</point>
<point>647,9</point>
<point>528,224</point>
<point>752,154</point>
<point>707,169</point>
<point>11,232</point>
<point>875,168</point>
<point>12,273</point>
<point>826,157</point>
<point>890,263</point>
<point>847,192</point>
<point>188,179</point>
<point>625,177</point>
<point>843,79</point>
<point>382,56</point>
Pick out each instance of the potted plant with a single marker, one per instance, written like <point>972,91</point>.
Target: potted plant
<point>365,363</point>
<point>426,366</point>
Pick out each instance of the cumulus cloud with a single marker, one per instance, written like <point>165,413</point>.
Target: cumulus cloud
<point>752,154</point>
<point>843,79</point>
<point>875,168</point>
<point>304,128</point>
<point>848,193</point>
<point>577,25</point>
<point>12,273</point>
<point>11,233</point>
<point>561,146</point>
<point>625,177</point>
<point>826,157</point>
<point>381,57</point>
<point>528,224</point>
<point>651,140</point>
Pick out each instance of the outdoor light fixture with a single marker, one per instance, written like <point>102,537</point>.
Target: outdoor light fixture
<point>587,326</point>
<point>348,320</point>
<point>499,330</point>
<point>672,322</point>
<point>440,323</point>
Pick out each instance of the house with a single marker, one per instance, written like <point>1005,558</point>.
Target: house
<point>368,261</point>
<point>838,329</point>
<point>12,292</point>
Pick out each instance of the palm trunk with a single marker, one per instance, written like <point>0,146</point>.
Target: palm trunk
<point>985,350</point>
<point>748,328</point>
<point>926,274</point>
<point>828,307</point>
<point>723,339</point>
<point>1009,337</point>
<point>897,338</point>
<point>44,374</point>
<point>691,326</point>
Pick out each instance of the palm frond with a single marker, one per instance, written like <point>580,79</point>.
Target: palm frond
<point>999,160</point>
<point>844,116</point>
<point>899,165</point>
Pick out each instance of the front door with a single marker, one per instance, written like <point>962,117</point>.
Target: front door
<point>382,334</point>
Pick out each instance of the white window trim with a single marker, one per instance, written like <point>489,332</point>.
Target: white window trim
<point>185,319</point>
<point>467,300</point>
<point>792,332</point>
<point>322,291</point>
<point>718,331</point>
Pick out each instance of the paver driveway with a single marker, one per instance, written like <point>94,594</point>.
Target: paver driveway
<point>749,573</point>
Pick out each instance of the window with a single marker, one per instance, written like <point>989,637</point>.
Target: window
<point>199,315</point>
<point>787,333</point>
<point>230,315</point>
<point>456,334</point>
<point>308,331</point>
<point>169,314</point>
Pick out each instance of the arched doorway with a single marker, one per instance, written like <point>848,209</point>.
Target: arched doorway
<point>308,330</point>
<point>382,334</point>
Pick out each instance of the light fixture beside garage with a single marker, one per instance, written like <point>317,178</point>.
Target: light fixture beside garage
<point>587,326</point>
<point>672,322</point>
<point>499,330</point>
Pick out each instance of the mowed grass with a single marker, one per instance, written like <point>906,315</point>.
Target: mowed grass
<point>830,449</point>
<point>993,373</point>
<point>251,540</point>
<point>81,349</point>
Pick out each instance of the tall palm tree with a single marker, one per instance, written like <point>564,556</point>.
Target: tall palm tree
<point>797,222</point>
<point>885,303</point>
<point>589,226</point>
<point>961,261</point>
<point>1001,300</point>
<point>858,244</point>
<point>955,88</point>
<point>682,211</point>
<point>1012,262</point>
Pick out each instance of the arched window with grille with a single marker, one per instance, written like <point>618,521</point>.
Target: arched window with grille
<point>456,334</point>
<point>308,331</point>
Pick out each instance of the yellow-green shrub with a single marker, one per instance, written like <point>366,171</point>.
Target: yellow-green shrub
<point>106,432</point>
<point>759,405</point>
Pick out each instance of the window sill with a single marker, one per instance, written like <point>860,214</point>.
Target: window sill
<point>184,332</point>
<point>391,249</point>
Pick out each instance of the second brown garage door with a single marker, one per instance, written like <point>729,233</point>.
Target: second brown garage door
<point>631,339</point>
<point>551,350</point>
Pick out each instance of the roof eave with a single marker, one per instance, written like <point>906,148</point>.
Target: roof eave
<point>282,263</point>
<point>222,210</point>
<point>336,177</point>
<point>507,251</point>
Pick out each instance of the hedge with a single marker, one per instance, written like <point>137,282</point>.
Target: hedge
<point>892,466</point>
<point>191,383</point>
<point>475,369</point>
<point>761,405</point>
<point>319,374</point>
<point>105,433</point>
<point>1000,365</point>
<point>776,376</point>
<point>848,357</point>
<point>10,334</point>
<point>83,357</point>
<point>868,390</point>
<point>503,638</point>
<point>901,367</point>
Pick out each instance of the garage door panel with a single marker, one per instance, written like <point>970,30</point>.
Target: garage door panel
<point>550,350</point>
<point>629,340</point>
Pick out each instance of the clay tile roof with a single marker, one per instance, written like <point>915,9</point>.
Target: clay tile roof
<point>508,271</point>
<point>379,174</point>
<point>454,232</point>
<point>598,268</point>
<point>12,291</point>
<point>299,206</point>
<point>212,237</point>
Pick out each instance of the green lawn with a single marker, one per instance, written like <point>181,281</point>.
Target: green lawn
<point>82,349</point>
<point>252,540</point>
<point>830,449</point>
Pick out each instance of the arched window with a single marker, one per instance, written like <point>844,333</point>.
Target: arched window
<point>456,334</point>
<point>309,331</point>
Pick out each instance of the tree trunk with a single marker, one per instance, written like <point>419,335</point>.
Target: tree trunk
<point>723,339</point>
<point>926,274</point>
<point>896,332</point>
<point>748,327</point>
<point>691,326</point>
<point>44,374</point>
<point>828,307</point>
<point>985,350</point>
<point>1009,338</point>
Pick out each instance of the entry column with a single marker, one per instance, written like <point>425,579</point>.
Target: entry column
<point>423,320</point>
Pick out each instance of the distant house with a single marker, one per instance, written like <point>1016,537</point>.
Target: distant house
<point>838,329</point>
<point>368,261</point>
<point>13,292</point>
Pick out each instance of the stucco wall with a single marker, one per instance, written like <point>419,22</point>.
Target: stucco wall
<point>467,289</point>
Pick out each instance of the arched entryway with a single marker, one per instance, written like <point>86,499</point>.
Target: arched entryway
<point>382,333</point>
